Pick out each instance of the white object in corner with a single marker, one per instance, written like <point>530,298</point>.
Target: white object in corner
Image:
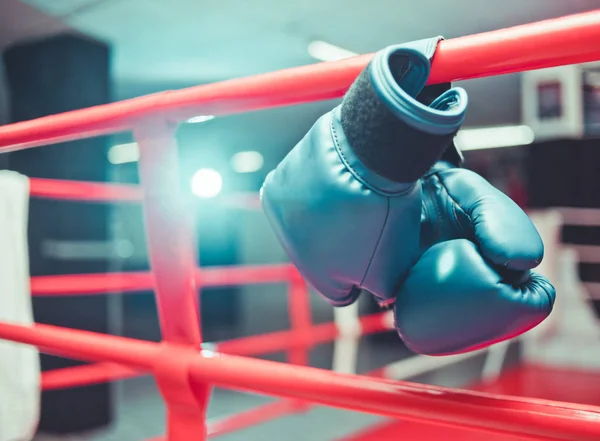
<point>19,364</point>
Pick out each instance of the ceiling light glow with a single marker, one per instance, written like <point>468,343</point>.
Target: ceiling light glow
<point>123,153</point>
<point>206,183</point>
<point>247,162</point>
<point>493,137</point>
<point>323,51</point>
<point>200,119</point>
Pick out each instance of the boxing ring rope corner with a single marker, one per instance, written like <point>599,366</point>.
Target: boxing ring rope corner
<point>184,371</point>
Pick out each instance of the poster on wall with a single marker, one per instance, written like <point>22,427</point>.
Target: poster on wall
<point>591,101</point>
<point>562,102</point>
<point>551,102</point>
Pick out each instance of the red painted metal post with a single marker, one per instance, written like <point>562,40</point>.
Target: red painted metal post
<point>171,249</point>
<point>301,326</point>
<point>300,319</point>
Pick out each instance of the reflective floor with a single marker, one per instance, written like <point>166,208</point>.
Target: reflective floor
<point>567,385</point>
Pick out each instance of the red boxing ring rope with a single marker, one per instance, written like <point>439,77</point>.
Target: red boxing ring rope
<point>567,40</point>
<point>83,191</point>
<point>184,375</point>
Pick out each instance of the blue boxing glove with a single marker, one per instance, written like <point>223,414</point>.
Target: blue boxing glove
<point>472,286</point>
<point>346,201</point>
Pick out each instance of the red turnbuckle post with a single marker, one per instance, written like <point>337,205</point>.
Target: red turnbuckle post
<point>172,255</point>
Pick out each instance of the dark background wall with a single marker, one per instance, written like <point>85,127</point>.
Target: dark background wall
<point>45,77</point>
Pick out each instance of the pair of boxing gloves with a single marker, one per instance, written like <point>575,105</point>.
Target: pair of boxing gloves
<point>373,198</point>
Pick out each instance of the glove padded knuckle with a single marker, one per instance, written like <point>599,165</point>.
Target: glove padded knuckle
<point>453,301</point>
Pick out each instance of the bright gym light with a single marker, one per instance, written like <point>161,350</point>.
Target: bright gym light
<point>200,119</point>
<point>247,162</point>
<point>323,51</point>
<point>206,183</point>
<point>124,153</point>
<point>493,137</point>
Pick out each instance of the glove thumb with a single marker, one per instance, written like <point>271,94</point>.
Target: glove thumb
<point>504,233</point>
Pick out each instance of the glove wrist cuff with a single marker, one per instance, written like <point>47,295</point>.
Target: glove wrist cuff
<point>397,75</point>
<point>392,132</point>
<point>357,168</point>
